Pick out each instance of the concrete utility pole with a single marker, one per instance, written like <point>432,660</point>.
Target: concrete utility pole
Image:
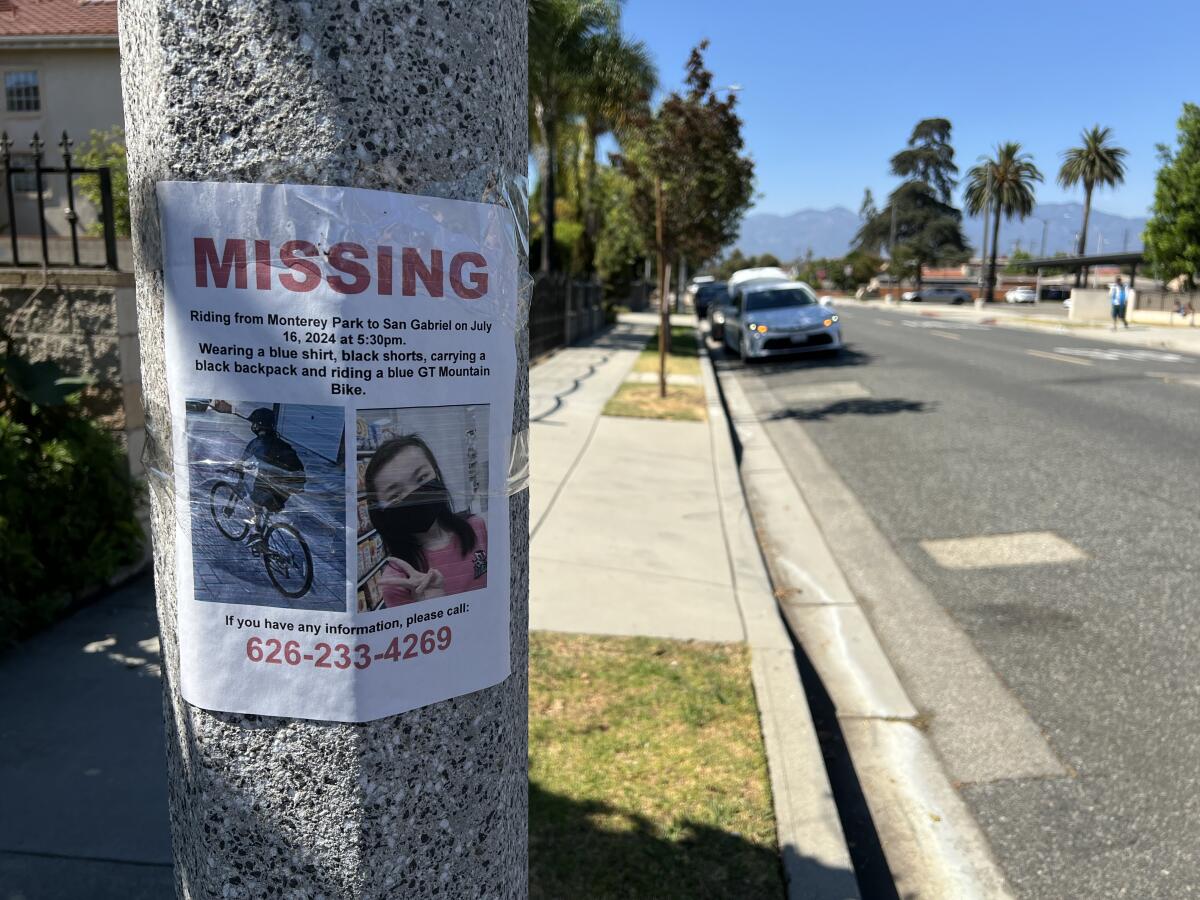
<point>418,96</point>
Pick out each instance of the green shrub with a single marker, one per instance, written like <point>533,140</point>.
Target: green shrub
<point>67,502</point>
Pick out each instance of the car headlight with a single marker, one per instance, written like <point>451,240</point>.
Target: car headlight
<point>761,329</point>
<point>829,321</point>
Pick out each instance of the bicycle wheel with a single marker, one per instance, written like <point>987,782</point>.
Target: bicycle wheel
<point>228,510</point>
<point>288,561</point>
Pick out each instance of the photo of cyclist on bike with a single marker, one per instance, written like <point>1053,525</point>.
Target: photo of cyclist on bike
<point>267,505</point>
<point>278,471</point>
<point>432,550</point>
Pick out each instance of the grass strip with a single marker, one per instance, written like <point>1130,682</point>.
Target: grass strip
<point>683,403</point>
<point>647,775</point>
<point>684,358</point>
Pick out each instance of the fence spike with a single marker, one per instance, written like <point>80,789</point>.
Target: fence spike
<point>5,146</point>
<point>37,144</point>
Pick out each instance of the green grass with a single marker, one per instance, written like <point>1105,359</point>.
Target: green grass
<point>684,358</point>
<point>683,403</point>
<point>647,775</point>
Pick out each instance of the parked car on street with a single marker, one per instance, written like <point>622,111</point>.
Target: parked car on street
<point>717,311</point>
<point>707,294</point>
<point>777,317</point>
<point>937,294</point>
<point>1021,295</point>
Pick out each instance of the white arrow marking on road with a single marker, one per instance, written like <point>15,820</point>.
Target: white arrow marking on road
<point>1113,354</point>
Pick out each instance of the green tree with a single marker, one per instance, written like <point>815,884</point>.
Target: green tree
<point>1003,184</point>
<point>692,145</point>
<point>737,260</point>
<point>560,37</point>
<point>1172,236</point>
<point>105,148</point>
<point>867,210</point>
<point>920,225</point>
<point>1097,162</point>
<point>614,97</point>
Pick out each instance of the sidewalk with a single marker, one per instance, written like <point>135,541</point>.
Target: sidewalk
<point>640,529</point>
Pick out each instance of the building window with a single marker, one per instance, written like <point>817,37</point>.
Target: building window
<point>21,92</point>
<point>23,181</point>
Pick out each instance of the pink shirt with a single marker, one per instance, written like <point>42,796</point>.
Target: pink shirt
<point>461,573</point>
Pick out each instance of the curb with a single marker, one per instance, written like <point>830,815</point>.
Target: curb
<point>815,858</point>
<point>933,844</point>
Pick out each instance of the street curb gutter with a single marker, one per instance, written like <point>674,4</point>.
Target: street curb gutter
<point>816,860</point>
<point>932,843</point>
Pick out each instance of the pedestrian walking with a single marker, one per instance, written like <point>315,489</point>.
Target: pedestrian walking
<point>1119,299</point>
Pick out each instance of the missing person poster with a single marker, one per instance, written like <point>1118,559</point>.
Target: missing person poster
<point>341,366</point>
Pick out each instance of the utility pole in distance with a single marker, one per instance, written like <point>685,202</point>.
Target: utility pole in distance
<point>415,96</point>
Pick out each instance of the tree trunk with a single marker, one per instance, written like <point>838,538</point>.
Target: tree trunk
<point>591,208</point>
<point>991,279</point>
<point>1087,214</point>
<point>549,131</point>
<point>433,801</point>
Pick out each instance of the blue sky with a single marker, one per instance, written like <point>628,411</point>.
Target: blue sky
<point>832,89</point>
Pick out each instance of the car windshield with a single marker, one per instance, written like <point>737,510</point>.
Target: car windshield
<point>760,301</point>
<point>712,293</point>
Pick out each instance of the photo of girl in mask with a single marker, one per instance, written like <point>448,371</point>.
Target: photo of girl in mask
<point>432,551</point>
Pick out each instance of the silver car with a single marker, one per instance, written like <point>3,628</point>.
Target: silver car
<point>780,317</point>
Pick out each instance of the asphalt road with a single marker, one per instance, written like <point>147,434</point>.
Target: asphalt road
<point>948,430</point>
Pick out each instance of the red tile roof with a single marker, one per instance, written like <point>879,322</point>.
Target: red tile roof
<point>57,17</point>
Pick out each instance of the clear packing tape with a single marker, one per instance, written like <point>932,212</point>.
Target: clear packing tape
<point>248,459</point>
<point>506,191</point>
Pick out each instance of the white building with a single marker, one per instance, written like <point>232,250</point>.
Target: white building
<point>60,69</point>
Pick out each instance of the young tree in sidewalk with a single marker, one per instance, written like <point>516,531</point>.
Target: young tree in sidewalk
<point>691,148</point>
<point>1006,182</point>
<point>1172,235</point>
<point>919,225</point>
<point>1097,162</point>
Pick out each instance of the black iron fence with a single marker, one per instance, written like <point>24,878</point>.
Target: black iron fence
<point>37,178</point>
<point>562,312</point>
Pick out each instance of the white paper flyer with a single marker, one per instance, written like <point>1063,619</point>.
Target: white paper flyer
<point>341,365</point>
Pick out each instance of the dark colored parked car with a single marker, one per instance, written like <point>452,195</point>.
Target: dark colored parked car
<point>707,294</point>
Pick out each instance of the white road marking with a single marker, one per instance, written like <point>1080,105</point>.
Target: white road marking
<point>989,551</point>
<point>931,323</point>
<point>1114,353</point>
<point>946,334</point>
<point>1067,359</point>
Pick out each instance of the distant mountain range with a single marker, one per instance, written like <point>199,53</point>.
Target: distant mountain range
<point>830,232</point>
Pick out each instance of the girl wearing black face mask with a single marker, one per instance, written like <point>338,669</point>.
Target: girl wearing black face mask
<point>432,550</point>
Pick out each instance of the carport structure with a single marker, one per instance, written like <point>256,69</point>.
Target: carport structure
<point>1078,264</point>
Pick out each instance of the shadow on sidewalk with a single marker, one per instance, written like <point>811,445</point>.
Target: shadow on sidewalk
<point>592,849</point>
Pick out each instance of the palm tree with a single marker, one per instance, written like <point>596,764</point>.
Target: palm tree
<point>560,60</point>
<point>615,96</point>
<point>1098,162</point>
<point>1003,185</point>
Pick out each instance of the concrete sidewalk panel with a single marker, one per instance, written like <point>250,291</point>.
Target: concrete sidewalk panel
<point>577,597</point>
<point>82,760</point>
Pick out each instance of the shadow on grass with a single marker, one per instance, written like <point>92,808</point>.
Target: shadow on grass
<point>590,849</point>
<point>865,406</point>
